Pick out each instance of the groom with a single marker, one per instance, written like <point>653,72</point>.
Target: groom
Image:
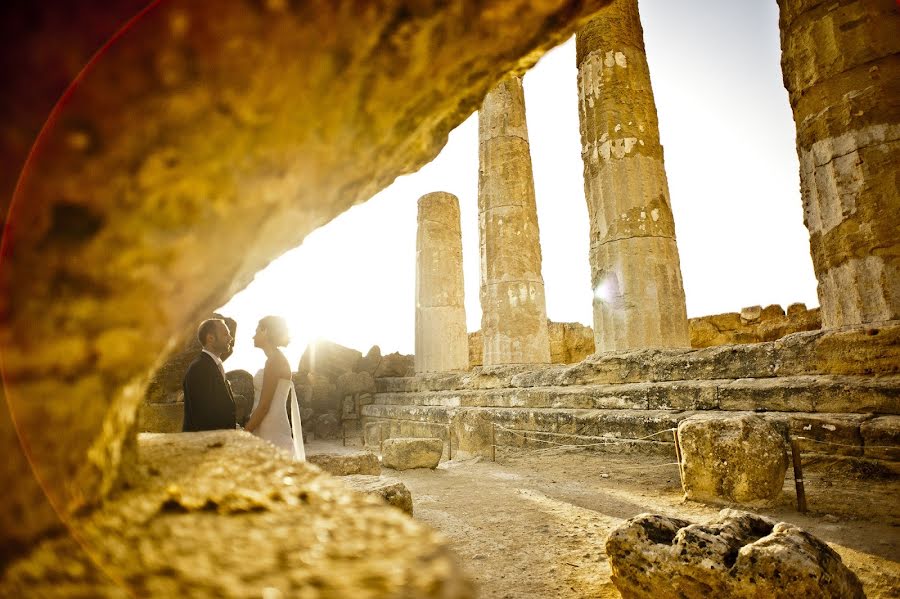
<point>208,403</point>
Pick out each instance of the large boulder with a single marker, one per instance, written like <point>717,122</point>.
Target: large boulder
<point>738,555</point>
<point>403,453</point>
<point>737,458</point>
<point>329,360</point>
<point>345,464</point>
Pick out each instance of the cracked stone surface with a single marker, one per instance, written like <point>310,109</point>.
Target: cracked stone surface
<point>513,306</point>
<point>224,514</point>
<point>157,191</point>
<point>841,70</point>
<point>441,340</point>
<point>736,555</point>
<point>635,269</point>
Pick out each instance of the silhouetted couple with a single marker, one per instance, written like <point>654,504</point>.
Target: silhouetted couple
<point>209,403</point>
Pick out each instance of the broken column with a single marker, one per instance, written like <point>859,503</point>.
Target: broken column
<point>514,312</point>
<point>841,68</point>
<point>635,270</point>
<point>441,340</point>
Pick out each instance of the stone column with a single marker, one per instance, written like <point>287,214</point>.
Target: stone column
<point>635,270</point>
<point>442,343</point>
<point>841,64</point>
<point>513,309</point>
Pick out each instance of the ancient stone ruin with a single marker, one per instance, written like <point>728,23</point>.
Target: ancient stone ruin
<point>155,193</point>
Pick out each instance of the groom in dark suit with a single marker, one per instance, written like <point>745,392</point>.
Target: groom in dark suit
<point>208,402</point>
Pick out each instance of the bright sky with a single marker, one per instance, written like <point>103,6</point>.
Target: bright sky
<point>728,137</point>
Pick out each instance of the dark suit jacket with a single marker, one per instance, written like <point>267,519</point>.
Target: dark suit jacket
<point>208,403</point>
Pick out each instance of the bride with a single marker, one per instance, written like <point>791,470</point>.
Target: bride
<point>272,389</point>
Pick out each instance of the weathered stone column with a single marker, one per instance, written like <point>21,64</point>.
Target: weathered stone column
<point>442,343</point>
<point>635,270</point>
<point>513,309</point>
<point>842,71</point>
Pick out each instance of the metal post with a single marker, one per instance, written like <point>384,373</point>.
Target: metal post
<point>678,455</point>
<point>449,442</point>
<point>798,476</point>
<point>381,437</point>
<point>493,442</point>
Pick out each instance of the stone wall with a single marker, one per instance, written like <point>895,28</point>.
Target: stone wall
<point>752,325</point>
<point>839,390</point>
<point>570,342</point>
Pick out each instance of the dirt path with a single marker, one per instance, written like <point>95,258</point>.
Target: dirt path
<point>533,525</point>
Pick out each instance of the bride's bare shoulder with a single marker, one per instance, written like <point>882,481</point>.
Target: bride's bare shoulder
<point>279,366</point>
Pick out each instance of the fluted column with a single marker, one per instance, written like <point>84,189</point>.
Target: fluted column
<point>513,308</point>
<point>635,269</point>
<point>441,340</point>
<point>841,66</point>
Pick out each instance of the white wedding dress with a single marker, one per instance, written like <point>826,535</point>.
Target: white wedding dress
<point>275,427</point>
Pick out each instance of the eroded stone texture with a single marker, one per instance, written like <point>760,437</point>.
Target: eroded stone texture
<point>225,514</point>
<point>841,70</point>
<point>635,269</point>
<point>345,464</point>
<point>766,324</point>
<point>513,308</point>
<point>441,340</point>
<point>738,555</point>
<point>204,142</point>
<point>738,459</point>
<point>403,453</point>
<point>570,342</point>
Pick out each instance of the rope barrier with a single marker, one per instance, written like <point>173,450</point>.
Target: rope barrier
<point>846,445</point>
<point>582,445</point>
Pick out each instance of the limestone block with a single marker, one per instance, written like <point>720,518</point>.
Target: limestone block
<point>738,555</point>
<point>355,382</point>
<point>345,464</point>
<point>392,490</point>
<point>172,532</point>
<point>751,314</point>
<point>405,453</point>
<point>161,417</point>
<point>395,364</point>
<point>476,349</point>
<point>472,431</point>
<point>328,426</point>
<point>737,459</point>
<point>373,434</point>
<point>369,363</point>
<point>881,437</point>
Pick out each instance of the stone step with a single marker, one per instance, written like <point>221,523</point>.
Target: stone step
<point>852,351</point>
<point>858,435</point>
<point>823,393</point>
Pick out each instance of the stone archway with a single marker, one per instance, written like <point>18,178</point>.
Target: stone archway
<point>202,143</point>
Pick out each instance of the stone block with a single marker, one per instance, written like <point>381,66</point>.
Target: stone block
<point>737,459</point>
<point>473,430</point>
<point>406,453</point>
<point>327,426</point>
<point>345,464</point>
<point>737,555</point>
<point>881,438</point>
<point>751,314</point>
<point>392,490</point>
<point>160,417</point>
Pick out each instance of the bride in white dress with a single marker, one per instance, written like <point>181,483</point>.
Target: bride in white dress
<point>273,388</point>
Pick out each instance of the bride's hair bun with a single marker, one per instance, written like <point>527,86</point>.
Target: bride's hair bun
<point>277,330</point>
